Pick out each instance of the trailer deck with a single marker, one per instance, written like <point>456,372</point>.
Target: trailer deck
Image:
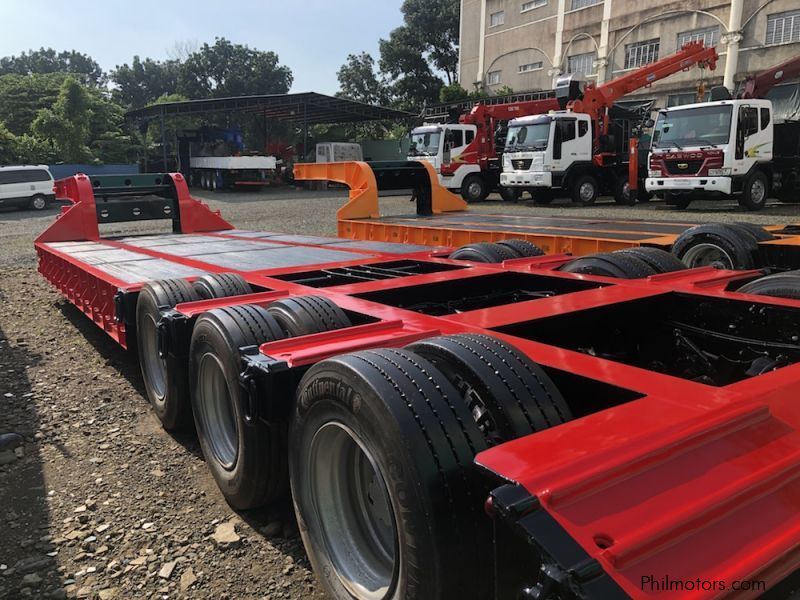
<point>683,452</point>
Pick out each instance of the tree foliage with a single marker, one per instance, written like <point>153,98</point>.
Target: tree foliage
<point>66,125</point>
<point>47,60</point>
<point>144,80</point>
<point>359,81</point>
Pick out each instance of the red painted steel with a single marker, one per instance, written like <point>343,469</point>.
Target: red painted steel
<point>687,480</point>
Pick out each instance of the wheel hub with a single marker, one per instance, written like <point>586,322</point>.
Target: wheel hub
<point>586,191</point>
<point>217,415</point>
<point>707,255</point>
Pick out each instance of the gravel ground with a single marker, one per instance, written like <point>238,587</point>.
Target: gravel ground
<point>100,502</point>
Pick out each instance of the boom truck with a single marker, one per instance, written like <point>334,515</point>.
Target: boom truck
<point>465,154</point>
<point>573,151</point>
<point>728,147</point>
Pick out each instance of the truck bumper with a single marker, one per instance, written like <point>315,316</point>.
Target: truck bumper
<point>526,179</point>
<point>689,185</point>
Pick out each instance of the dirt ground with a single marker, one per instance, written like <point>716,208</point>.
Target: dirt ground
<point>99,501</point>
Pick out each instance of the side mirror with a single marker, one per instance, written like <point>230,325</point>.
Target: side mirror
<point>648,124</point>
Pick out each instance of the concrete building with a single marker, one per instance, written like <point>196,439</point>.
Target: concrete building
<point>526,44</point>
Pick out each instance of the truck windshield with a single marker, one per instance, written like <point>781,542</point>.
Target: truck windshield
<point>528,137</point>
<point>425,144</point>
<point>700,126</point>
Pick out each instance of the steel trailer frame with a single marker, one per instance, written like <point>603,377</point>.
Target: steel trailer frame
<point>658,474</point>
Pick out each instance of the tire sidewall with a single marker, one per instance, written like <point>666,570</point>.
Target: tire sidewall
<point>747,198</point>
<point>336,395</point>
<point>248,477</point>
<point>580,181</point>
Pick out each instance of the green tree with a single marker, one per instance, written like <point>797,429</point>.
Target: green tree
<point>228,69</point>
<point>359,81</point>
<point>23,96</point>
<point>144,81</point>
<point>454,92</point>
<point>67,124</point>
<point>47,60</point>
<point>413,81</point>
<point>434,25</point>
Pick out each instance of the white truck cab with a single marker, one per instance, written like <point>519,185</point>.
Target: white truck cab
<point>444,145</point>
<point>541,149</point>
<point>721,148</point>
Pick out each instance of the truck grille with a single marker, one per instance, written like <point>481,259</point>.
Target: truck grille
<point>521,164</point>
<point>683,167</point>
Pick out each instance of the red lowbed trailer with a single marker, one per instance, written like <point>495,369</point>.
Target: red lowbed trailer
<point>635,437</point>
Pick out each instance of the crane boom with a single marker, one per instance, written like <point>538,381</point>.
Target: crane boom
<point>757,86</point>
<point>598,98</point>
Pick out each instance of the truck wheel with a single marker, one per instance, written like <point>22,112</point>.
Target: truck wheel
<point>485,252</point>
<point>622,193</point>
<point>474,189</point>
<point>165,377</point>
<point>778,285</point>
<point>247,459</point>
<point>755,192</point>
<point>303,315</point>
<point>759,233</point>
<point>610,264</point>
<point>522,248</point>
<point>718,245</point>
<point>508,394</point>
<point>510,194</point>
<point>213,181</point>
<point>387,497</point>
<point>660,260</point>
<point>541,195</point>
<point>680,201</point>
<point>584,190</point>
<point>221,285</point>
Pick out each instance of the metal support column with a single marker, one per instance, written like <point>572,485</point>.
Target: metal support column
<point>733,37</point>
<point>305,130</point>
<point>163,143</point>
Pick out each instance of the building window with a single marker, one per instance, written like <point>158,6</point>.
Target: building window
<point>576,4</point>
<point>641,53</point>
<point>527,68</point>
<point>531,4</point>
<point>784,27</point>
<point>581,63</point>
<point>497,18</point>
<point>709,36</point>
<point>493,77</point>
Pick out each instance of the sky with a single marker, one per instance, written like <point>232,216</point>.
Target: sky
<point>312,37</point>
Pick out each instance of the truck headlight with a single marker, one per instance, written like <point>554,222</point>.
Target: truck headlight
<point>506,162</point>
<point>654,173</point>
<point>719,172</point>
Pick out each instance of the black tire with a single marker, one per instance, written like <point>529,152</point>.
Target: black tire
<point>484,252</point>
<point>736,249</point>
<point>622,193</point>
<point>778,285</point>
<point>660,260</point>
<point>680,201</point>
<point>38,202</point>
<point>405,422</point>
<point>508,395</point>
<point>510,194</point>
<point>755,192</point>
<point>643,195</point>
<point>221,285</point>
<point>302,315</point>
<point>522,248</point>
<point>247,459</point>
<point>165,378</point>
<point>578,190</point>
<point>474,189</point>
<point>759,233</point>
<point>611,264</point>
<point>541,195</point>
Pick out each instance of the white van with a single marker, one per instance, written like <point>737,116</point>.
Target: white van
<point>338,152</point>
<point>28,186</point>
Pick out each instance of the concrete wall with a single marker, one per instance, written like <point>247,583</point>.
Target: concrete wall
<point>533,36</point>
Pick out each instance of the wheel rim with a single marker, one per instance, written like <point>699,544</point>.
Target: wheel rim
<point>586,192</point>
<point>758,191</point>
<point>219,423</point>
<point>38,203</point>
<point>707,255</point>
<point>352,505</point>
<point>474,189</point>
<point>155,367</point>
<point>626,192</point>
